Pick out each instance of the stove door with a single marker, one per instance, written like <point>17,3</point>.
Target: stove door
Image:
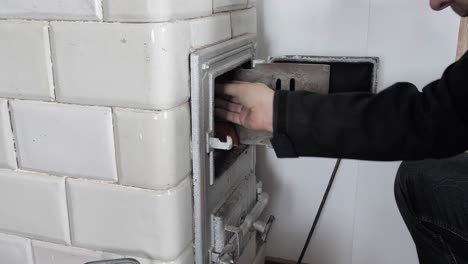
<point>228,201</point>
<point>219,167</point>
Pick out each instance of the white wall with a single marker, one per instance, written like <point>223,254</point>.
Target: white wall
<point>361,223</point>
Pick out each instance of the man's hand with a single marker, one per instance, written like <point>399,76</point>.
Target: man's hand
<point>246,104</point>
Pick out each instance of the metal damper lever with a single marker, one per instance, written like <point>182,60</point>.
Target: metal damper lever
<point>282,76</point>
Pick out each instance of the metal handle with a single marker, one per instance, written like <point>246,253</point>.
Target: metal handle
<point>264,228</point>
<point>232,250</point>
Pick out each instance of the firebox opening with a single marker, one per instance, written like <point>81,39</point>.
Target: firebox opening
<point>224,159</point>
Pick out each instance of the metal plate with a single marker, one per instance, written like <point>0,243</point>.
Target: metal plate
<point>289,76</point>
<point>374,61</point>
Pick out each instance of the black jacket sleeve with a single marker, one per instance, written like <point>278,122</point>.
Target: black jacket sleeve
<point>400,123</point>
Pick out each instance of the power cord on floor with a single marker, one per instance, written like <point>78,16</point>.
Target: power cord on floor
<point>319,212</point>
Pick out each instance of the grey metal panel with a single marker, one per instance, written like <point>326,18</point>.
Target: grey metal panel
<point>307,77</point>
<point>331,59</point>
<point>237,206</point>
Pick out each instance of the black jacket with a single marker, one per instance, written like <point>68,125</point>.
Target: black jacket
<point>399,123</point>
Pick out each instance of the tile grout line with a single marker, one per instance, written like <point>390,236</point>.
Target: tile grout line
<point>186,100</point>
<point>118,169</point>
<point>69,211</point>
<point>50,60</point>
<point>13,135</point>
<point>97,21</point>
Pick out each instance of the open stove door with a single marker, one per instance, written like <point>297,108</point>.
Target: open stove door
<point>224,181</point>
<point>228,201</point>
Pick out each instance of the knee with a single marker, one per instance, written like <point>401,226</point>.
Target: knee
<point>411,178</point>
<point>402,183</point>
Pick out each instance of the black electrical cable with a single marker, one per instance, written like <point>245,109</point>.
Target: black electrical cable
<point>319,212</point>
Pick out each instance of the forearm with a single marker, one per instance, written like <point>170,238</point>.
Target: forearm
<point>400,123</point>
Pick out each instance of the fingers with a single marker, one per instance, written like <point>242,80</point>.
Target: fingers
<point>227,105</point>
<point>231,88</point>
<point>228,98</point>
<point>229,116</point>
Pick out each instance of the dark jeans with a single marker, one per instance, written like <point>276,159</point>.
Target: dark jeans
<point>432,196</point>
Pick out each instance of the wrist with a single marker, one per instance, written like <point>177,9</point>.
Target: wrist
<point>269,105</point>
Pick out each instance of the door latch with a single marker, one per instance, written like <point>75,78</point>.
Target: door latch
<point>216,143</point>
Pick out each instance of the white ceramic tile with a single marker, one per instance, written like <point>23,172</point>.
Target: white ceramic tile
<point>131,221</point>
<point>51,9</point>
<point>209,30</point>
<point>244,21</point>
<point>25,60</point>
<point>64,139</point>
<point>15,250</point>
<point>7,149</point>
<point>415,46</point>
<point>48,253</point>
<point>155,10</point>
<point>153,148</point>
<point>226,5</point>
<point>127,65</point>
<point>34,205</point>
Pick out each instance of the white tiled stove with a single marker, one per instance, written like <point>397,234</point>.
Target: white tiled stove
<point>95,127</point>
